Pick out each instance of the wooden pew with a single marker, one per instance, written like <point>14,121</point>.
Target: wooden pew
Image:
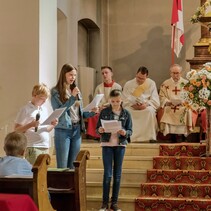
<point>67,187</point>
<point>36,187</point>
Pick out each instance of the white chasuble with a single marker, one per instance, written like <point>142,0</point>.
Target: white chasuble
<point>144,121</point>
<point>176,118</point>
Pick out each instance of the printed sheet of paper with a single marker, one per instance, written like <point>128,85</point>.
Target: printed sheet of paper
<point>111,126</point>
<point>95,102</point>
<point>176,102</point>
<point>56,114</point>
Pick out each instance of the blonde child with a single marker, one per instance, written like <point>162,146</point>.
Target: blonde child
<point>28,120</point>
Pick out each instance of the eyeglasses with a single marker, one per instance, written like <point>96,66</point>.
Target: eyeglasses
<point>175,73</point>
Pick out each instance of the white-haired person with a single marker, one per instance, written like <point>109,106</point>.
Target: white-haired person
<point>14,163</point>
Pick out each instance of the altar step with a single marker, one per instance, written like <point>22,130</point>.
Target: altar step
<point>128,175</point>
<point>169,204</point>
<point>180,190</point>
<point>125,203</point>
<point>179,176</point>
<point>183,149</point>
<point>130,162</point>
<point>132,149</point>
<point>182,162</point>
<point>138,158</point>
<point>127,190</point>
<point>179,180</point>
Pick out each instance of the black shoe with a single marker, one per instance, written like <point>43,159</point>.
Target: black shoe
<point>203,136</point>
<point>104,207</point>
<point>114,207</point>
<point>173,138</point>
<point>153,141</point>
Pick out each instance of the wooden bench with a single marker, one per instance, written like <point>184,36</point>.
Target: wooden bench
<point>67,187</point>
<point>36,187</point>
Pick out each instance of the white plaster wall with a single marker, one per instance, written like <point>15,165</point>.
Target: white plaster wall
<point>76,10</point>
<point>19,58</point>
<point>139,34</point>
<point>48,42</point>
<point>27,54</point>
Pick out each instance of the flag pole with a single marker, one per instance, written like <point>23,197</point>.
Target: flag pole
<point>173,45</point>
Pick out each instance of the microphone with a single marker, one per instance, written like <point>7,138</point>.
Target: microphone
<point>72,86</point>
<point>37,118</point>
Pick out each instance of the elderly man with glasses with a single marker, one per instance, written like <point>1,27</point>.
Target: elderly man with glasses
<point>175,117</point>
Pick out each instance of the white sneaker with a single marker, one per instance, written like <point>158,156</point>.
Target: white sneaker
<point>104,207</point>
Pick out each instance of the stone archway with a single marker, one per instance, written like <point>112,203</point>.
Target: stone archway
<point>89,57</point>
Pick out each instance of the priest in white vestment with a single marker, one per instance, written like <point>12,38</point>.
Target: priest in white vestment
<point>176,118</point>
<point>105,88</point>
<point>142,100</point>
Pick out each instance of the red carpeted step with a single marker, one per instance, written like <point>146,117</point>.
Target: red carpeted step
<point>179,176</point>
<point>171,204</point>
<point>176,190</point>
<point>183,149</point>
<point>182,162</point>
<point>180,180</point>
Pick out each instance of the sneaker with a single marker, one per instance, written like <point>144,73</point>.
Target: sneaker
<point>114,207</point>
<point>104,207</point>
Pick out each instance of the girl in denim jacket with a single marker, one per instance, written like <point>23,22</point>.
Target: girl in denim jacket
<point>113,147</point>
<point>68,130</point>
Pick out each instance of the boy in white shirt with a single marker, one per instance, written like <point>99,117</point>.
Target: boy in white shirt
<point>28,120</point>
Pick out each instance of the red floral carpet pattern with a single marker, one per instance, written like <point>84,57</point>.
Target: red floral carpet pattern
<point>189,149</point>
<point>180,180</point>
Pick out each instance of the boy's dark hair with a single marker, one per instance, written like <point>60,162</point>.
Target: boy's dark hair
<point>115,93</point>
<point>108,67</point>
<point>143,70</point>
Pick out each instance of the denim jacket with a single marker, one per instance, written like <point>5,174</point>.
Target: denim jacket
<point>125,118</point>
<point>65,119</point>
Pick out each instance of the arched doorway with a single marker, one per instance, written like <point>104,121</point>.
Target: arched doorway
<point>89,57</point>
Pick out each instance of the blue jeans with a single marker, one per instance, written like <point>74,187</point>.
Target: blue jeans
<point>112,161</point>
<point>67,144</point>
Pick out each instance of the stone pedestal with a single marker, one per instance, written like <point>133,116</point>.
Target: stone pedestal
<point>202,49</point>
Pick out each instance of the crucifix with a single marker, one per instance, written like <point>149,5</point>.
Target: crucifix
<point>175,108</point>
<point>176,90</point>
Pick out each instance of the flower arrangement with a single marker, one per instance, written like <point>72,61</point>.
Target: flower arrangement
<point>197,92</point>
<point>200,12</point>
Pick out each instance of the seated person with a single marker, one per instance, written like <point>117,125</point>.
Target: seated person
<point>105,88</point>
<point>174,118</point>
<point>14,163</point>
<point>142,100</point>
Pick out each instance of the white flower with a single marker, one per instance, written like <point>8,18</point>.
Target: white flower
<point>204,93</point>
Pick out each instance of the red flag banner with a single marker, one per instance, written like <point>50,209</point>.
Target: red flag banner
<point>177,39</point>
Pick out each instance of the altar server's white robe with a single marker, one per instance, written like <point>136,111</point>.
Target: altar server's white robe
<point>144,121</point>
<point>175,119</point>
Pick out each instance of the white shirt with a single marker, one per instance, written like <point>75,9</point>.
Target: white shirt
<point>27,114</point>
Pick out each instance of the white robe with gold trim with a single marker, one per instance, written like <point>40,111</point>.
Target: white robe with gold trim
<point>144,121</point>
<point>175,119</point>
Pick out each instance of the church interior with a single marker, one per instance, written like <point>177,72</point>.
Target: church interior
<point>39,37</point>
